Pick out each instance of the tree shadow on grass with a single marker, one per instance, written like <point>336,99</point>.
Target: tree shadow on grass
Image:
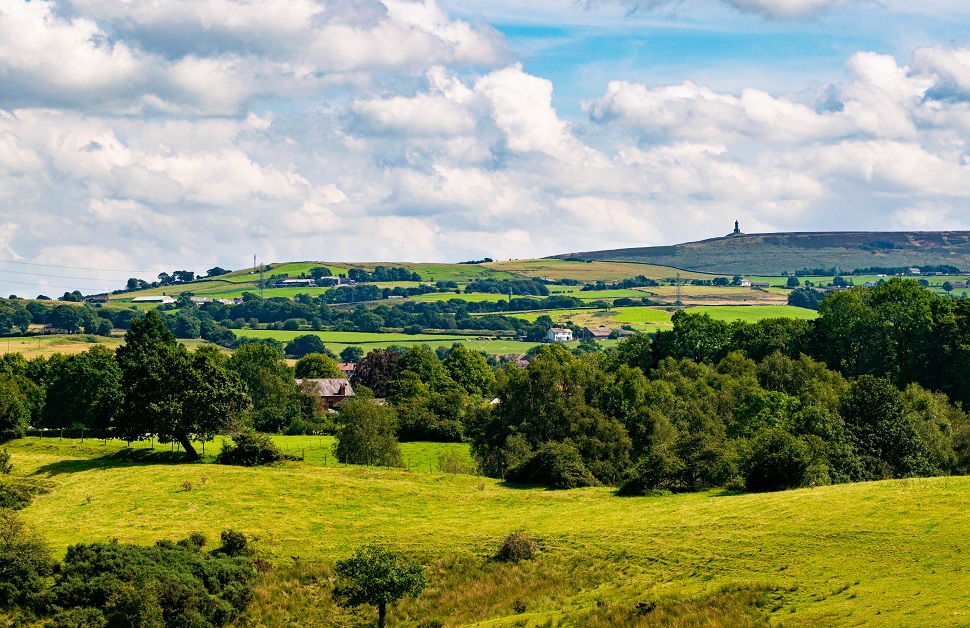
<point>528,487</point>
<point>122,458</point>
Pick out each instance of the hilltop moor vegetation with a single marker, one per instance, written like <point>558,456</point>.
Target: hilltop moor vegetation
<point>873,389</point>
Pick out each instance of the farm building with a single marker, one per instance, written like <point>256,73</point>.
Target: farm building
<point>164,299</point>
<point>295,283</point>
<point>601,333</point>
<point>332,391</point>
<point>759,284</point>
<point>559,334</point>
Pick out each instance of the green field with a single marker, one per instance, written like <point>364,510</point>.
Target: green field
<point>344,337</point>
<point>754,313</point>
<point>338,341</point>
<point>871,554</point>
<point>592,271</point>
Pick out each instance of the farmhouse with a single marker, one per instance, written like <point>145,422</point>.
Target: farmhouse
<point>559,334</point>
<point>347,368</point>
<point>601,333</point>
<point>164,299</point>
<point>332,391</point>
<point>745,283</point>
<point>295,283</point>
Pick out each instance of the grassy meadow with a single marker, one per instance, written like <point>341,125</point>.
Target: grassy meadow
<point>871,554</point>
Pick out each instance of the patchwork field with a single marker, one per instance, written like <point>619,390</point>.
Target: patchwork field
<point>383,341</point>
<point>591,271</point>
<point>872,554</point>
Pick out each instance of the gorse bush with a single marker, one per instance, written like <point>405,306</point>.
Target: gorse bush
<point>516,546</point>
<point>167,584</point>
<point>16,493</point>
<point>25,562</point>
<point>250,448</point>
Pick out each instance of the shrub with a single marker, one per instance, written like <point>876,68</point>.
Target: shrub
<point>195,540</point>
<point>5,465</point>
<point>366,435</point>
<point>170,584</point>
<point>249,449</point>
<point>558,465</point>
<point>25,561</point>
<point>234,543</point>
<point>78,618</point>
<point>451,461</point>
<point>778,462</point>
<point>516,546</point>
<point>17,493</point>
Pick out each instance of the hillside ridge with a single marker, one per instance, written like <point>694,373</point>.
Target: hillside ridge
<point>777,253</point>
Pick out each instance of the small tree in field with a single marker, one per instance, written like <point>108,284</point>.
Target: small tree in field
<point>376,576</point>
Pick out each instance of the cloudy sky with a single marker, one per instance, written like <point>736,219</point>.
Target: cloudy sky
<point>138,136</point>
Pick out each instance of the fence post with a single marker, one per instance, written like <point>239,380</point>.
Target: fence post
<point>82,434</point>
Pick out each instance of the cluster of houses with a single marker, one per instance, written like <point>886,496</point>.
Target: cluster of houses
<point>165,300</point>
<point>563,334</point>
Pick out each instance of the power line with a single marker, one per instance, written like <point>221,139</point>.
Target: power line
<point>23,272</point>
<point>41,285</point>
<point>115,270</point>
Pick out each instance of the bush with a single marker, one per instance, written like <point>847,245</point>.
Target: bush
<point>195,540</point>
<point>5,465</point>
<point>25,561</point>
<point>234,543</point>
<point>167,584</point>
<point>249,449</point>
<point>558,465</point>
<point>17,493</point>
<point>778,462</point>
<point>366,435</point>
<point>516,546</point>
<point>78,618</point>
<point>451,461</point>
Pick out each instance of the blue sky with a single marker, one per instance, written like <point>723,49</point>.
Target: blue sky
<point>146,136</point>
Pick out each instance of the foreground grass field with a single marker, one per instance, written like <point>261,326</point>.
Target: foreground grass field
<point>874,554</point>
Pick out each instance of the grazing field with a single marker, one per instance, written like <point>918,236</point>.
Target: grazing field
<point>754,313</point>
<point>344,337</point>
<point>470,298</point>
<point>338,341</point>
<point>591,271</point>
<point>36,346</point>
<point>871,554</point>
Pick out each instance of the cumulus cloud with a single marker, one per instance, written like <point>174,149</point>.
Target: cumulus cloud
<point>214,57</point>
<point>193,133</point>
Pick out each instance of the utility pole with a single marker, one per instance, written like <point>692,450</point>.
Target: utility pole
<point>679,291</point>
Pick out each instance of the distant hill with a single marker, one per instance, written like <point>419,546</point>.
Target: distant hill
<point>777,253</point>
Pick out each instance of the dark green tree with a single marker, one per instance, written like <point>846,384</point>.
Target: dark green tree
<point>171,393</point>
<point>885,437</point>
<point>78,386</point>
<point>375,369</point>
<point>305,344</point>
<point>378,577</point>
<point>351,354</point>
<point>470,370</point>
<point>366,434</point>
<point>317,366</point>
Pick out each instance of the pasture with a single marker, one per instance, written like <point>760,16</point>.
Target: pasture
<point>875,554</point>
<point>558,269</point>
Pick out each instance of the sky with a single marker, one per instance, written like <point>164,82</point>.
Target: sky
<point>142,136</point>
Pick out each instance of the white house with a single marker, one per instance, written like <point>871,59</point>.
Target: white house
<point>559,334</point>
<point>745,283</point>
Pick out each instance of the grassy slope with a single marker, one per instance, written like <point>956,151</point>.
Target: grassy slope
<point>775,253</point>
<point>874,554</point>
<point>594,271</point>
